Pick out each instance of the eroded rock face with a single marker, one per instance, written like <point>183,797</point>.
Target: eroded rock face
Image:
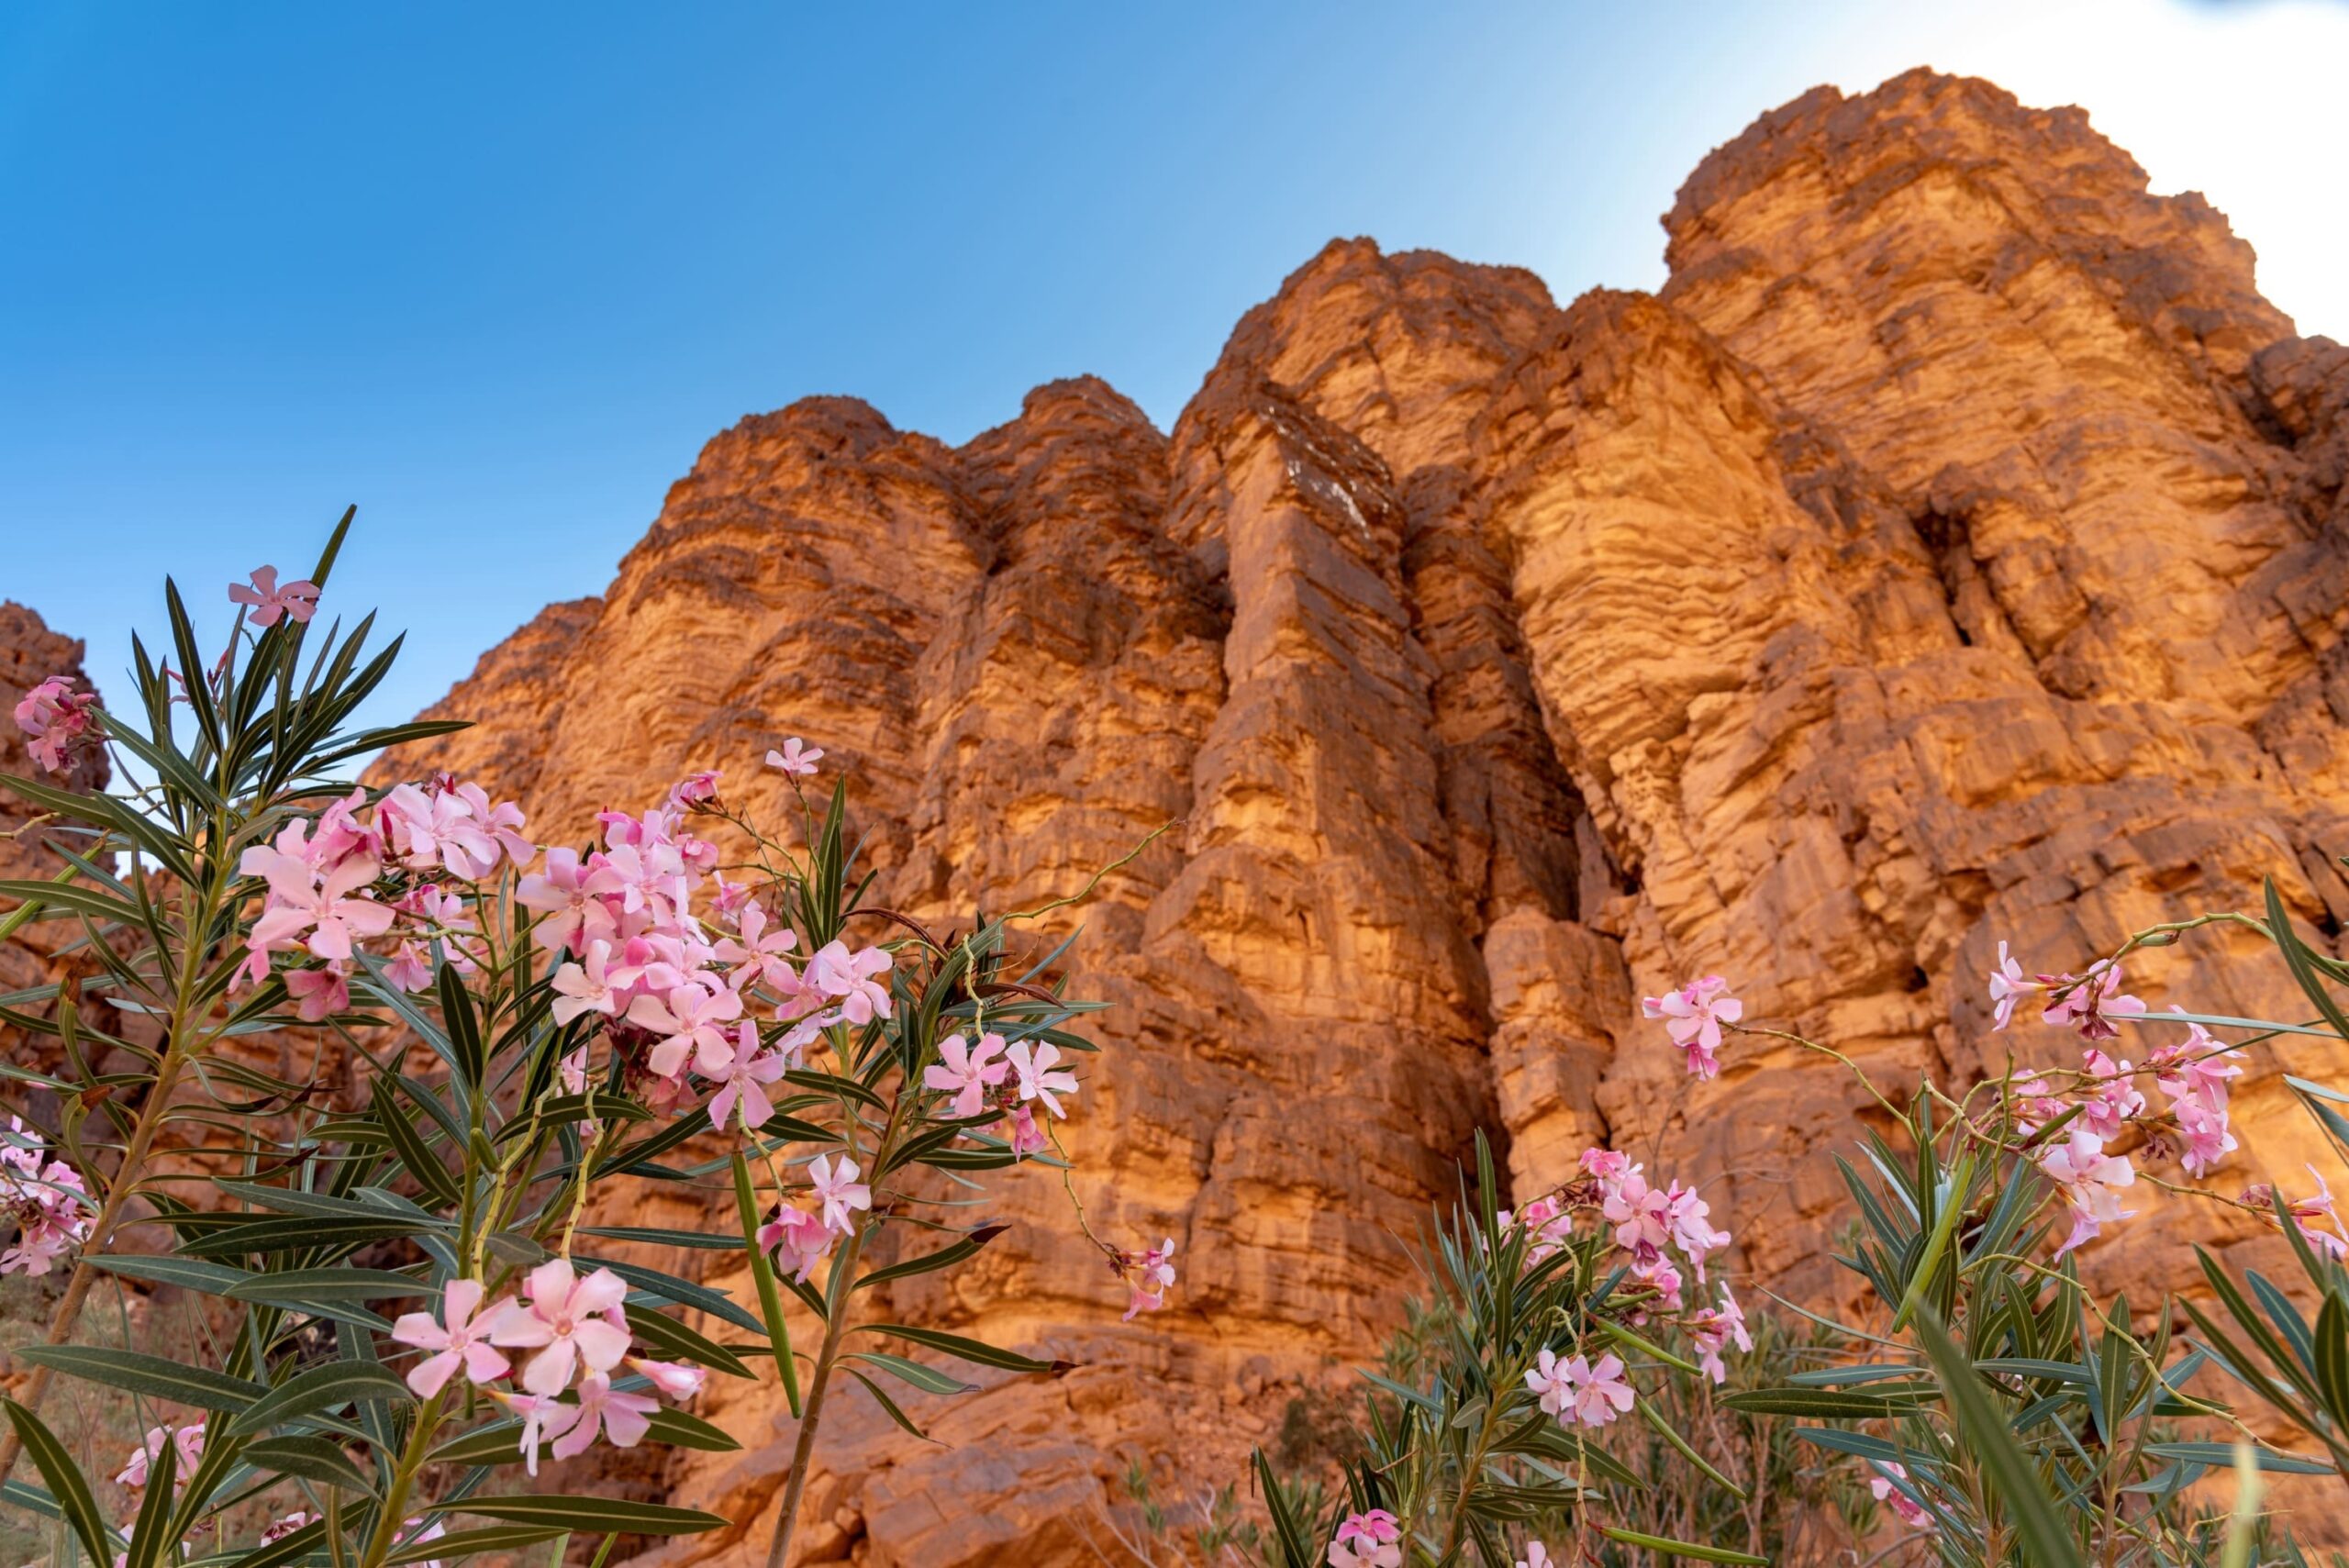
<point>30,654</point>
<point>1954,551</point>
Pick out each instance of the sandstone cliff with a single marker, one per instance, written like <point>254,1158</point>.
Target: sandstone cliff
<point>1955,551</point>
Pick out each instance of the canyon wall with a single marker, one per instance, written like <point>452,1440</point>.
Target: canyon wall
<point>1953,552</point>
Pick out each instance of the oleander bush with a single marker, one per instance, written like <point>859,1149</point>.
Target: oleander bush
<point>410,1294</point>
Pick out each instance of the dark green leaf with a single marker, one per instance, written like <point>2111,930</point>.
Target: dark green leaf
<point>66,1482</point>
<point>311,1458</point>
<point>154,1377</point>
<point>603,1516</point>
<point>325,1387</point>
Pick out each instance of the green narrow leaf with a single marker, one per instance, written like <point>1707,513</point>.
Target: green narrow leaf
<point>154,1377</point>
<point>413,1152</point>
<point>324,1388</point>
<point>296,1286</point>
<point>746,1208</point>
<point>674,1338</point>
<point>1287,1527</point>
<point>464,1026</point>
<point>888,1406</point>
<point>912,1374</point>
<point>975,1350</point>
<point>613,1515</point>
<point>2298,959</point>
<point>291,1548</point>
<point>954,1253</point>
<point>472,1542</point>
<point>1663,1429</point>
<point>188,1273</point>
<point>66,1482</point>
<point>310,1457</point>
<point>1670,1548</point>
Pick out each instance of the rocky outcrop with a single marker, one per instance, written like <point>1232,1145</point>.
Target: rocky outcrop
<point>30,654</point>
<point>1953,552</point>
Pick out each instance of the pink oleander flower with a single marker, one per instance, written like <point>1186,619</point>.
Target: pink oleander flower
<point>1692,1231</point>
<point>1536,1556</point>
<point>625,1418</point>
<point>1716,1327</point>
<point>1883,1485</point>
<point>2090,1181</point>
<point>2204,1136</point>
<point>2198,1068</point>
<point>462,1340</point>
<point>675,1379</point>
<point>1605,1164</point>
<point>457,829</point>
<point>54,720</point>
<point>1657,1272</point>
<point>1547,1222</point>
<point>267,601</point>
<point>1152,1277</point>
<point>278,1530</point>
<point>795,758</point>
<point>2114,1099</point>
<point>318,994</point>
<point>730,900</point>
<point>2008,987</point>
<point>797,1238</point>
<point>410,966</point>
<point>692,789</point>
<point>2335,1242</point>
<point>966,1073</point>
<point>573,1319</point>
<point>1640,1215</point>
<point>2092,1004</point>
<point>329,906</point>
<point>43,1197</point>
<point>2032,1097</point>
<point>1024,1136</point>
<point>187,1446</point>
<point>586,986</point>
<point>1372,1539</point>
<point>1578,1393</point>
<point>1693,1017</point>
<point>837,1190</point>
<point>1036,1082</point>
<point>756,953</point>
<point>692,1017</point>
<point>746,1078</point>
<point>854,979</point>
<point>543,1416</point>
<point>571,895</point>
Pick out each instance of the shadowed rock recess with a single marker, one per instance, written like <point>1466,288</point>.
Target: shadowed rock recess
<point>1954,551</point>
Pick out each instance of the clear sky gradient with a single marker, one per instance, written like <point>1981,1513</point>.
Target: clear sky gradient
<point>495,272</point>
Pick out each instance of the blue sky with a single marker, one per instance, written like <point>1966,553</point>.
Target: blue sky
<point>495,273</point>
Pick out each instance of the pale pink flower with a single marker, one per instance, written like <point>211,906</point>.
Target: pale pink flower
<point>318,994</point>
<point>2092,1004</point>
<point>268,601</point>
<point>2198,1068</point>
<point>1152,1277</point>
<point>1716,1327</point>
<point>1025,1136</point>
<point>1032,1061</point>
<point>966,1073</point>
<point>795,758</point>
<point>410,966</point>
<point>543,1416</point>
<point>2008,987</point>
<point>574,1319</point>
<point>1910,1511</point>
<point>797,1238</point>
<point>1657,1272</point>
<point>43,1197</point>
<point>837,1190</point>
<point>745,1080</point>
<point>2204,1133</point>
<point>278,1530</point>
<point>412,1536</point>
<point>852,978</point>
<point>758,954</point>
<point>674,1379</point>
<point>1578,1393</point>
<point>1693,1017</point>
<point>2113,1100</point>
<point>2033,1101</point>
<point>1692,1231</point>
<point>1640,1215</point>
<point>694,789</point>
<point>1536,1556</point>
<point>571,895</point>
<point>586,986</point>
<point>187,1449</point>
<point>2335,1242</point>
<point>625,1418</point>
<point>462,1341</point>
<point>1370,1539</point>
<point>54,719</point>
<point>692,1017</point>
<point>1605,1164</point>
<point>2090,1181</point>
<point>730,900</point>
<point>329,908</point>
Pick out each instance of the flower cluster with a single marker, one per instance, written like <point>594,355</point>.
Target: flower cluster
<point>1372,1539</point>
<point>43,1198</point>
<point>1693,1017</point>
<point>57,722</point>
<point>1890,1486</point>
<point>577,1328</point>
<point>187,1449</point>
<point>1578,1391</point>
<point>2305,1212</point>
